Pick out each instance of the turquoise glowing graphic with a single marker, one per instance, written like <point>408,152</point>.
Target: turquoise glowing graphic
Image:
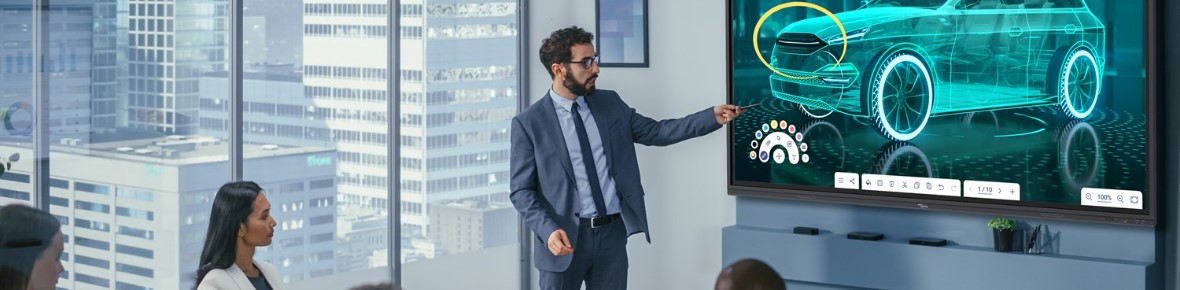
<point>909,60</point>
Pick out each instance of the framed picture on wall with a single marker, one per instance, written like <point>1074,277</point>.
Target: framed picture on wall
<point>622,32</point>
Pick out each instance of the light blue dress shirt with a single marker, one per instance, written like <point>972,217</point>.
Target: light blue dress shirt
<point>566,118</point>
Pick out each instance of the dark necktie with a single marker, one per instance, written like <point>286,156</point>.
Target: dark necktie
<point>588,162</point>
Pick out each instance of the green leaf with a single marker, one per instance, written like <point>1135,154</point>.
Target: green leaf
<point>1001,224</point>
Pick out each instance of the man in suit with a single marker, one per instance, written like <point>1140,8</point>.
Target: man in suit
<point>575,180</point>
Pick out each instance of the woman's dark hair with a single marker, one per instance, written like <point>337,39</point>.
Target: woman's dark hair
<point>231,207</point>
<point>378,286</point>
<point>25,234</point>
<point>749,274</point>
<point>556,48</point>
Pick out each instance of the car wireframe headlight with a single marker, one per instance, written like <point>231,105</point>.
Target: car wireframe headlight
<point>852,35</point>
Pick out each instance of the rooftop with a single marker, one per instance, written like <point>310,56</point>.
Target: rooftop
<point>153,147</point>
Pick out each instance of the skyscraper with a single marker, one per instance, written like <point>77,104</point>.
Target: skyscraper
<point>109,65</point>
<point>466,54</point>
<point>66,63</point>
<point>458,92</point>
<point>170,44</point>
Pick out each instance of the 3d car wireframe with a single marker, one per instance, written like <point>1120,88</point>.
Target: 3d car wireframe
<point>909,60</point>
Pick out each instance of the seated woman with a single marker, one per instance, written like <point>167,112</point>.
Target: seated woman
<point>239,222</point>
<point>30,246</point>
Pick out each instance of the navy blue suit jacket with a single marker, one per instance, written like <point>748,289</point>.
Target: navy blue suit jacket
<point>542,179</point>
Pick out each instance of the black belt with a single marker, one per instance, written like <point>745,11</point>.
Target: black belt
<point>597,222</point>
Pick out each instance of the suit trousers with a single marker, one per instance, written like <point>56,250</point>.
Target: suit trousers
<point>600,260</point>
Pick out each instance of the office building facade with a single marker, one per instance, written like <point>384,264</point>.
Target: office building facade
<point>135,211</point>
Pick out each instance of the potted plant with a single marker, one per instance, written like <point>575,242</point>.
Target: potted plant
<point>1002,232</point>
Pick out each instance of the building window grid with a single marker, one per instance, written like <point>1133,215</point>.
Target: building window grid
<point>348,31</point>
<point>469,117</point>
<point>347,73</point>
<point>471,31</point>
<point>467,10</point>
<point>418,209</point>
<point>345,94</point>
<point>320,9</point>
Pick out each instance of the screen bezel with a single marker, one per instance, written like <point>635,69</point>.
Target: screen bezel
<point>1146,217</point>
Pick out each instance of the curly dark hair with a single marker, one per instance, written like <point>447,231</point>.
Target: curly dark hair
<point>556,48</point>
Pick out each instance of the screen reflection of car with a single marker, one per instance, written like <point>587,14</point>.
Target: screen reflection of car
<point>909,60</point>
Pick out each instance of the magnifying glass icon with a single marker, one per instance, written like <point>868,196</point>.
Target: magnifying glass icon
<point>1088,196</point>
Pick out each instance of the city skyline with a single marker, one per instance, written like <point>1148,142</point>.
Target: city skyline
<point>156,70</point>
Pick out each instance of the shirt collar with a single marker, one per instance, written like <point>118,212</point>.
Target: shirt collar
<point>562,102</point>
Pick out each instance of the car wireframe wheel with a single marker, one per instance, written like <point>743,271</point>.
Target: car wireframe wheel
<point>901,96</point>
<point>902,159</point>
<point>1079,81</point>
<point>813,112</point>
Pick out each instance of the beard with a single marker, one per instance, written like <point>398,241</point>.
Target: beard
<point>579,89</point>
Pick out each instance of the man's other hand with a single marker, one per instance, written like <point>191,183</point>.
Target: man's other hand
<point>726,113</point>
<point>559,243</point>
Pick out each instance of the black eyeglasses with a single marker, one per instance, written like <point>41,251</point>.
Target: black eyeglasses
<point>587,62</point>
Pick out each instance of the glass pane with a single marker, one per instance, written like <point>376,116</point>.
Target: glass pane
<point>16,97</point>
<point>315,105</point>
<point>458,95</point>
<point>131,172</point>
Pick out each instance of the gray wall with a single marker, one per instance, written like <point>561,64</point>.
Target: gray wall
<point>686,201</point>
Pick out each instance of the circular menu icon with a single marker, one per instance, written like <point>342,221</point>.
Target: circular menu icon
<point>779,156</point>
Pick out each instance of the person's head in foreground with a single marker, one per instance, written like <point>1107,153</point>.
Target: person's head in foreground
<point>378,286</point>
<point>749,274</point>
<point>31,243</point>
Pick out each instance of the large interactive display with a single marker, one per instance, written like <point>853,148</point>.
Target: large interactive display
<point>1041,108</point>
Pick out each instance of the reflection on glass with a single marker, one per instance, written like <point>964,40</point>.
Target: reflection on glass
<point>1079,156</point>
<point>131,177</point>
<point>317,111</point>
<point>458,93</point>
<point>16,95</point>
<point>139,127</point>
<point>827,141</point>
<point>902,159</point>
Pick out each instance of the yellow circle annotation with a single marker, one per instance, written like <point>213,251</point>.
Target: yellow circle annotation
<point>843,34</point>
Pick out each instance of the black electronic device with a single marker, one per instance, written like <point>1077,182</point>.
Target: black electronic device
<point>806,231</point>
<point>867,236</point>
<point>825,92</point>
<point>928,242</point>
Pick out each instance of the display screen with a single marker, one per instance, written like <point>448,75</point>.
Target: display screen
<point>1027,107</point>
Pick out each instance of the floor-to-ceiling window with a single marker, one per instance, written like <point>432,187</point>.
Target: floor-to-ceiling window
<point>139,135</point>
<point>458,91</point>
